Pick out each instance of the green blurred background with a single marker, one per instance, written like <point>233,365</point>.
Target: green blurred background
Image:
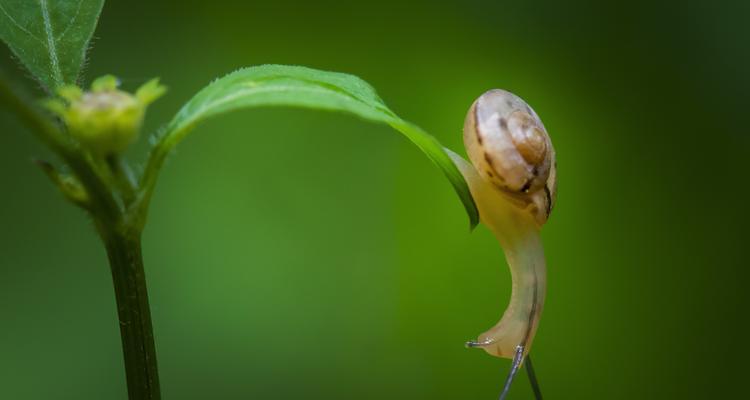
<point>297,254</point>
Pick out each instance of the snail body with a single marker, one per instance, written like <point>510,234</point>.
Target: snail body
<point>512,178</point>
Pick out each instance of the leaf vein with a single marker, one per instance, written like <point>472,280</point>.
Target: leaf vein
<point>70,23</point>
<point>51,46</point>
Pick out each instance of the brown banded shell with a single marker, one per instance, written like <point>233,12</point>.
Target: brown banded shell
<point>510,148</point>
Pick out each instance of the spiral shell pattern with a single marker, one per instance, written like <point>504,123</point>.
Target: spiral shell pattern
<point>510,148</point>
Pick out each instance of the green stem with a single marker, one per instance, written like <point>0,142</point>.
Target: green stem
<point>139,350</point>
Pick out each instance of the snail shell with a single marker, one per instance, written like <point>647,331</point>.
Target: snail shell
<point>510,148</point>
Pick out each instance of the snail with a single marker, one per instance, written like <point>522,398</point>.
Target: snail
<point>512,178</point>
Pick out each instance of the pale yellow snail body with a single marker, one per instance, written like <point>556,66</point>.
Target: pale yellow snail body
<point>512,181</point>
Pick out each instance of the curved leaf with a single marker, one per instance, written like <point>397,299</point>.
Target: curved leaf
<point>50,37</point>
<point>279,85</point>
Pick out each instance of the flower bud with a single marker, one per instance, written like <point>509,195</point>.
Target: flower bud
<point>105,120</point>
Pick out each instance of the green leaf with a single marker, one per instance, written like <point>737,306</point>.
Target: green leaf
<point>50,37</point>
<point>279,85</point>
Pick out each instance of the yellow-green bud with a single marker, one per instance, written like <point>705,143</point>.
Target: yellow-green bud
<point>105,120</point>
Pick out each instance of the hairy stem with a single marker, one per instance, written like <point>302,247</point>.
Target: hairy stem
<point>139,350</point>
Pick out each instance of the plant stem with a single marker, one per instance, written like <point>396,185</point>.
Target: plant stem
<point>139,351</point>
<point>123,245</point>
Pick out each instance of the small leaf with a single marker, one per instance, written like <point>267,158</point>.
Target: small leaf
<point>279,85</point>
<point>50,37</point>
<point>70,187</point>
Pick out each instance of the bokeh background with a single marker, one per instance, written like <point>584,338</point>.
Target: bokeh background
<point>298,254</point>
